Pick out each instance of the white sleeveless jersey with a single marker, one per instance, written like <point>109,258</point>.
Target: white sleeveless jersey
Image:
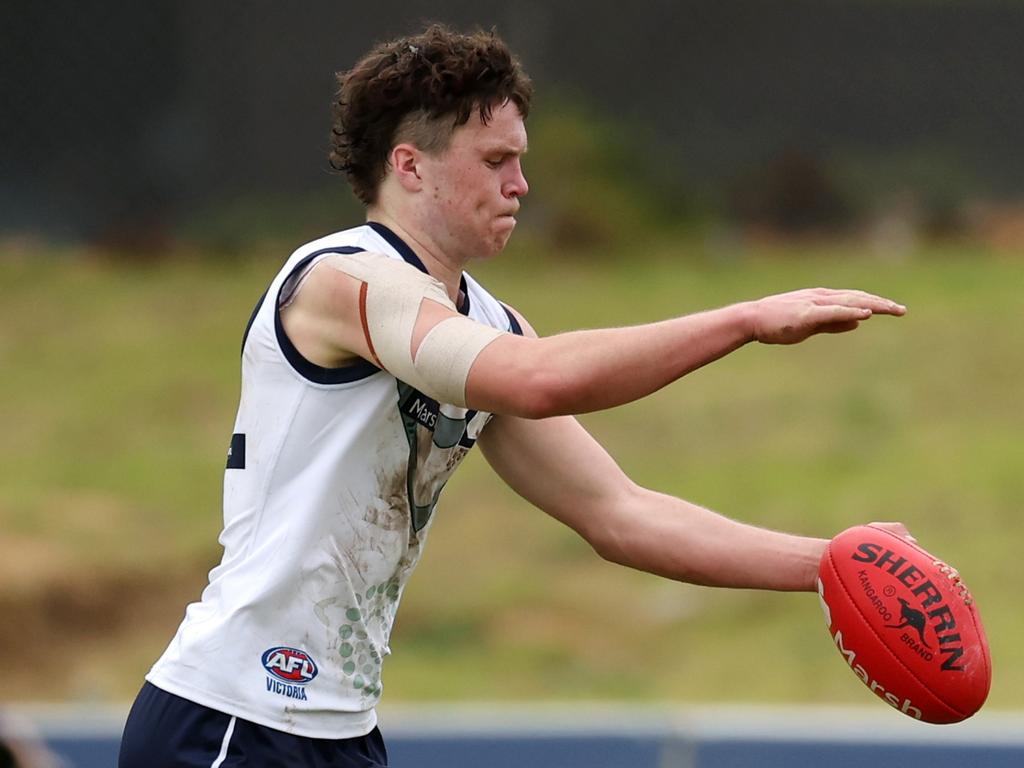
<point>330,485</point>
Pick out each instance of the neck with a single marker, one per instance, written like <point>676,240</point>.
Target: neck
<point>440,266</point>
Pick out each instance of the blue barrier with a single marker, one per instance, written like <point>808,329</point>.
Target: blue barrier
<point>546,736</point>
<point>747,754</point>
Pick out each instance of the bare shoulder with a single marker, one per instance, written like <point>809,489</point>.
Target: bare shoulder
<point>322,319</point>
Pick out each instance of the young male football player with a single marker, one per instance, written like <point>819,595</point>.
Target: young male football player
<point>370,367</point>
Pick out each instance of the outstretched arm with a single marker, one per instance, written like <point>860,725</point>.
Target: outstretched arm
<point>361,309</point>
<point>559,467</point>
<point>585,371</point>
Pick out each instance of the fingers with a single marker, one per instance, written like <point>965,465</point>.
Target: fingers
<point>878,305</point>
<point>838,315</point>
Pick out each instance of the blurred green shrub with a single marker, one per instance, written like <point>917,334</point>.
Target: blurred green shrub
<point>594,181</point>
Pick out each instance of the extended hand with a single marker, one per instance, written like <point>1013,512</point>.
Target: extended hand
<point>789,318</point>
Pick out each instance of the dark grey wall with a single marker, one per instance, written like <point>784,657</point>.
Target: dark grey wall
<point>120,114</point>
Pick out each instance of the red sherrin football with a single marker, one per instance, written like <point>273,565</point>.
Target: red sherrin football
<point>906,625</point>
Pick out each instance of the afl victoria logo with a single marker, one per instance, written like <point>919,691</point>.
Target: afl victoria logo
<point>290,665</point>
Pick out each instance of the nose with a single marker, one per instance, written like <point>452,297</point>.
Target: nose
<point>516,186</point>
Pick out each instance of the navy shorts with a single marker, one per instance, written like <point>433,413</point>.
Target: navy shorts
<point>167,731</point>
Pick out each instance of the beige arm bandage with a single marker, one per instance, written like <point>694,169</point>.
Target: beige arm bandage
<point>389,304</point>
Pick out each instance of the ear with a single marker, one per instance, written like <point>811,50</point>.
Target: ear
<point>405,163</point>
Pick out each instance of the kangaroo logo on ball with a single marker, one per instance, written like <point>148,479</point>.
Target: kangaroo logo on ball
<point>910,617</point>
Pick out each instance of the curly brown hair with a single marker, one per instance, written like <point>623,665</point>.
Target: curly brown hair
<point>419,89</point>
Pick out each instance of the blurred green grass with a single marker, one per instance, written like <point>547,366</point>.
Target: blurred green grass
<point>120,382</point>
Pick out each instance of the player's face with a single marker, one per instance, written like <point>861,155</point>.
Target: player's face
<point>476,183</point>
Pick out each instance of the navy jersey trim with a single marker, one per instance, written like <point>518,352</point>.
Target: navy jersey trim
<point>513,322</point>
<point>463,307</point>
<point>398,244</point>
<point>316,373</point>
<point>410,257</point>
<point>252,319</point>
